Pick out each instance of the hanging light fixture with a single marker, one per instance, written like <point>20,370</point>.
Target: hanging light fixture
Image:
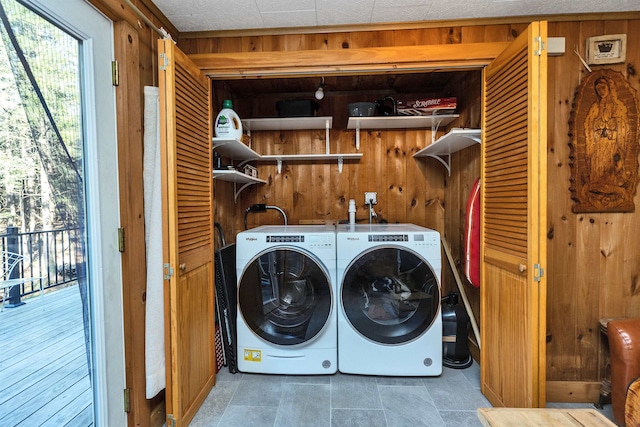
<point>320,91</point>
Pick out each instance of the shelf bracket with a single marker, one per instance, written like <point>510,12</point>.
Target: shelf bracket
<point>434,130</point>
<point>237,192</point>
<point>327,135</point>
<point>279,162</point>
<point>358,135</point>
<point>340,163</point>
<point>446,163</point>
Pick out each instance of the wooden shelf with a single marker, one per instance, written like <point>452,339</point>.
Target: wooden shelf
<point>288,123</point>
<point>455,140</point>
<point>399,122</point>
<point>236,177</point>
<point>279,158</point>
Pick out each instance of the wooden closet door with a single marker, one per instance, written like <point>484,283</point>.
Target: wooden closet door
<point>513,240</point>
<point>186,152</point>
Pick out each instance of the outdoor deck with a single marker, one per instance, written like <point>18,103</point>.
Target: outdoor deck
<point>43,366</point>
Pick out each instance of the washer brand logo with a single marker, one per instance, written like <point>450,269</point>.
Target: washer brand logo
<point>251,239</point>
<point>353,238</point>
<point>252,355</point>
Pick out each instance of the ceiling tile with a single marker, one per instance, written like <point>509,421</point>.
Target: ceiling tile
<point>305,18</point>
<point>338,12</point>
<point>204,15</point>
<point>285,5</point>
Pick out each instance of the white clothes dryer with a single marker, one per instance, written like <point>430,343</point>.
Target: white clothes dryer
<point>389,320</point>
<point>287,316</point>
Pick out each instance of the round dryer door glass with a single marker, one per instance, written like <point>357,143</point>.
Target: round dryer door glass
<point>284,296</point>
<point>390,295</point>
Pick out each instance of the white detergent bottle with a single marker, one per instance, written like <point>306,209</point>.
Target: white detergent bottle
<point>228,124</point>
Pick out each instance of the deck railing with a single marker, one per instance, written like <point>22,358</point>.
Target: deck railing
<point>51,256</point>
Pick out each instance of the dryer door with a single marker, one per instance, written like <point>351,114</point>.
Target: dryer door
<point>390,294</point>
<point>284,296</point>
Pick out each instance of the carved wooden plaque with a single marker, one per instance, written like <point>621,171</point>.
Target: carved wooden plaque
<point>604,144</point>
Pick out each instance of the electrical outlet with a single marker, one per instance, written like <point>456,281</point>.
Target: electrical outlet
<point>370,198</point>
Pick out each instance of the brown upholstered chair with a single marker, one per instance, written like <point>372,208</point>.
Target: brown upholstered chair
<point>624,346</point>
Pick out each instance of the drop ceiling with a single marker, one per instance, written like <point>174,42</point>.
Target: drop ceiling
<point>218,15</point>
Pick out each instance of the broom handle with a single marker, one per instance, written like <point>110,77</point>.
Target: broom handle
<point>474,325</point>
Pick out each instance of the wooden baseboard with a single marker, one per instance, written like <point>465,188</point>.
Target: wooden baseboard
<point>573,391</point>
<point>158,411</point>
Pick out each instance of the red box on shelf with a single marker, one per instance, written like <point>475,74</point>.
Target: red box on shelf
<point>426,106</point>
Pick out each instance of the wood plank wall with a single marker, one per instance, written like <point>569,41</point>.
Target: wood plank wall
<point>594,260</point>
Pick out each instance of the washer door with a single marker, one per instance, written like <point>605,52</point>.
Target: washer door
<point>284,296</point>
<point>390,295</point>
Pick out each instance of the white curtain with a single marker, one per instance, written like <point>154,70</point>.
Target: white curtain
<point>154,316</point>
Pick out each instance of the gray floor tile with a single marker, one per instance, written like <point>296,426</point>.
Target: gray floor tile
<point>259,390</point>
<point>304,405</point>
<point>452,391</point>
<point>408,406</point>
<point>357,418</point>
<point>215,404</point>
<point>308,379</point>
<point>472,374</point>
<point>405,381</point>
<point>355,392</point>
<point>254,416</point>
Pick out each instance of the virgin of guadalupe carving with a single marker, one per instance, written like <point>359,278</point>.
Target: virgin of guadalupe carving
<point>604,144</point>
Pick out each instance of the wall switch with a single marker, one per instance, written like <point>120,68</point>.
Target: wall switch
<point>369,196</point>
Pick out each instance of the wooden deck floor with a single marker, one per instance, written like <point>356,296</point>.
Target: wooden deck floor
<point>43,366</point>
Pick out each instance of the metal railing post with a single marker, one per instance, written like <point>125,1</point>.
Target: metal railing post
<point>13,246</point>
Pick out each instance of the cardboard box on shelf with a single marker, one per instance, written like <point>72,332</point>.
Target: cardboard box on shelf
<point>426,106</point>
<point>251,171</point>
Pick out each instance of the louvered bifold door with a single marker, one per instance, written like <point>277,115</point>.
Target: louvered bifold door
<point>513,248</point>
<point>188,233</point>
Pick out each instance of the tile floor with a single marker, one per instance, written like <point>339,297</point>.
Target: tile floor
<point>347,400</point>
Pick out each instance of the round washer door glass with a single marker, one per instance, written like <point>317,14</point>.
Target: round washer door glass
<point>390,295</point>
<point>284,296</point>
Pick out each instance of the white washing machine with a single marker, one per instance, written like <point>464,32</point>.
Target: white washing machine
<point>389,320</point>
<point>287,315</point>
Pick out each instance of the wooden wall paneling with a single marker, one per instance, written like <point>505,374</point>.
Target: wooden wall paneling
<point>564,74</point>
<point>416,184</point>
<point>305,180</point>
<point>498,32</point>
<point>252,44</point>
<point>340,182</point>
<point>364,39</point>
<point>295,42</point>
<point>395,201</point>
<point>338,41</point>
<point>230,44</point>
<point>359,179</point>
<point>586,296</point>
<point>272,43</point>
<point>630,286</point>
<point>588,312</point>
<point>472,34</point>
<point>322,187</point>
<point>317,41</point>
<point>377,176</point>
